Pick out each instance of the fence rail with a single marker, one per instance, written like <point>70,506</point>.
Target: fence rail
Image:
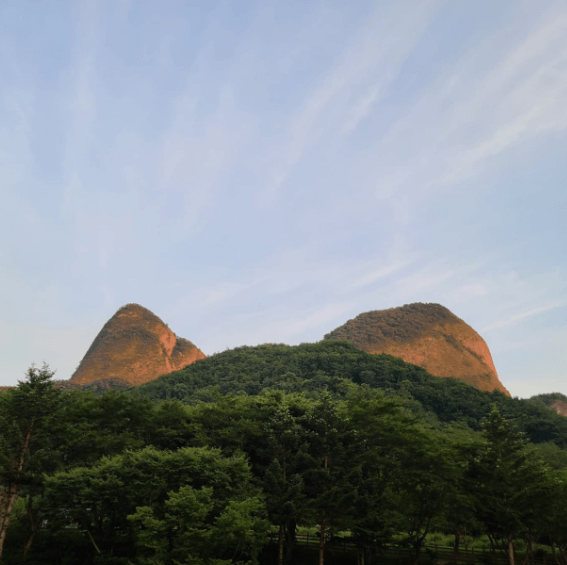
<point>439,554</point>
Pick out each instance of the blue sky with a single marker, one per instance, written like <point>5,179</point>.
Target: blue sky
<point>264,171</point>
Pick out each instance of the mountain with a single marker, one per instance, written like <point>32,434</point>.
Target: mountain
<point>427,335</point>
<point>135,347</point>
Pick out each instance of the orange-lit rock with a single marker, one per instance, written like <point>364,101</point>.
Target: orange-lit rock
<point>427,335</point>
<point>559,406</point>
<point>135,346</point>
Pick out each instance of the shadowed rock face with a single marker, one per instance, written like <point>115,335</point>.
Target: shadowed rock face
<point>134,346</point>
<point>427,335</point>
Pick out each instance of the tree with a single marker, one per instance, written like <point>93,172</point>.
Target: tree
<point>509,480</point>
<point>459,511</point>
<point>99,499</point>
<point>430,481</point>
<point>282,480</point>
<point>554,518</point>
<point>383,438</point>
<point>194,529</point>
<point>95,426</point>
<point>26,415</point>
<point>328,479</point>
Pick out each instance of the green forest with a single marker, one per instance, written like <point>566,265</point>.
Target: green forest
<point>240,457</point>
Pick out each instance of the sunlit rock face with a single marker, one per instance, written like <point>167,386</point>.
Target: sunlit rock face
<point>559,406</point>
<point>427,335</point>
<point>135,346</point>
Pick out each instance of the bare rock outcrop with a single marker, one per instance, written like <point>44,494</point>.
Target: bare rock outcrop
<point>135,347</point>
<point>427,335</point>
<point>559,406</point>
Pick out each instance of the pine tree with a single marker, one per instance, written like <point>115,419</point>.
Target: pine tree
<point>508,479</point>
<point>25,416</point>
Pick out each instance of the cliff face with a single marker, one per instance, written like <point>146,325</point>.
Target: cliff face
<point>134,346</point>
<point>427,335</point>
<point>559,406</point>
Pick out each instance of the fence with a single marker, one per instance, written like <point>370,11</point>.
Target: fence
<point>430,553</point>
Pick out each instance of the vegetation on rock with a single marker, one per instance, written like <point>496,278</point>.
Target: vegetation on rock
<point>428,335</point>
<point>134,346</point>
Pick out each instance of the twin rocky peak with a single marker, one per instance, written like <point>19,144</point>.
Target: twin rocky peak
<point>135,346</point>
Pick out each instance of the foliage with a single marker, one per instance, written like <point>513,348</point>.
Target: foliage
<point>102,500</point>
<point>509,482</point>
<point>198,466</point>
<point>191,529</point>
<point>338,366</point>
<point>28,416</point>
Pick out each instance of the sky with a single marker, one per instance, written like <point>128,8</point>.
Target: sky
<point>263,171</point>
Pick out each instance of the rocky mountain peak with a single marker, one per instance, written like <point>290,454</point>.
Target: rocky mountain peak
<point>427,335</point>
<point>135,346</point>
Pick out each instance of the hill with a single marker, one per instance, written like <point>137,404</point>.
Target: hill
<point>341,368</point>
<point>554,401</point>
<point>134,346</point>
<point>427,335</point>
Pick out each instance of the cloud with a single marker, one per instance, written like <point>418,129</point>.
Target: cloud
<point>361,109</point>
<point>278,326</point>
<point>217,294</point>
<point>354,84</point>
<point>520,317</point>
<point>17,105</point>
<point>82,108</point>
<point>497,96</point>
<point>374,276</point>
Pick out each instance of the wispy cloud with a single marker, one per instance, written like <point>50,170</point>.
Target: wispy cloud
<point>82,107</point>
<point>195,163</point>
<point>361,109</point>
<point>494,98</point>
<point>354,84</point>
<point>17,105</point>
<point>521,316</point>
<point>376,275</point>
<point>261,327</point>
<point>279,168</point>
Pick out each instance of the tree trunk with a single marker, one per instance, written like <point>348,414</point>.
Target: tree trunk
<point>492,548</point>
<point>457,541</point>
<point>93,542</point>
<point>35,522</point>
<point>7,500</point>
<point>529,552</point>
<point>417,552</point>
<point>281,544</point>
<point>289,534</point>
<point>322,540</point>
<point>29,543</point>
<point>510,551</point>
<point>9,496</point>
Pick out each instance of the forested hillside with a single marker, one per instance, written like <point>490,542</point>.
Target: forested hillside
<point>340,367</point>
<point>227,460</point>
